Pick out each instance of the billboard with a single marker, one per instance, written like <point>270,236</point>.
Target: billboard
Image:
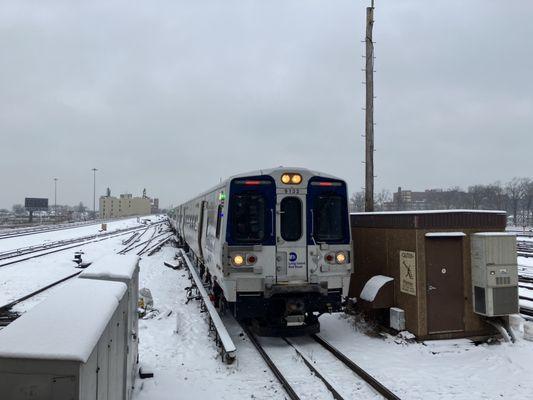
<point>35,204</point>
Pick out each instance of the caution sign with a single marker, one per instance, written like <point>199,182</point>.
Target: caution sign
<point>408,272</point>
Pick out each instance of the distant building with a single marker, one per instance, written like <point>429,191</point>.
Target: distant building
<point>124,206</point>
<point>430,199</point>
<point>155,206</point>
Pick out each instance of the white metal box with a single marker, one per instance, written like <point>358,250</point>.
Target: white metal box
<point>66,347</point>
<point>125,269</point>
<point>397,318</point>
<point>494,273</point>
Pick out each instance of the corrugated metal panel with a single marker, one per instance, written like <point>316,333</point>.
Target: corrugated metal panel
<point>427,220</point>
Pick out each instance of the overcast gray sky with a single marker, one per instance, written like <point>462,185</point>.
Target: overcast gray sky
<point>174,95</point>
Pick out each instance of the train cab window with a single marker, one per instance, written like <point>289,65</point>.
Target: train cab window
<point>329,218</point>
<point>219,220</point>
<point>291,219</point>
<point>248,216</point>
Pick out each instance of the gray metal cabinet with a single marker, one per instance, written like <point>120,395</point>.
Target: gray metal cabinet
<point>63,349</point>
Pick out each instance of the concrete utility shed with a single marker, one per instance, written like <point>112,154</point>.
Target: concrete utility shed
<point>427,253</point>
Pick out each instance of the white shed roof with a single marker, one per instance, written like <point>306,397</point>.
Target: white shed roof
<point>113,266</point>
<point>65,326</point>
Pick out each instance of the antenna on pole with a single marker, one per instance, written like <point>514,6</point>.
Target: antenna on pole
<point>369,111</point>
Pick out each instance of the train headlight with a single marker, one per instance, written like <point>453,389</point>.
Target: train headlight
<point>340,257</point>
<point>296,179</point>
<point>238,260</point>
<point>291,179</point>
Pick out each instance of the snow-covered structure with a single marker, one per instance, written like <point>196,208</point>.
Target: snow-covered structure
<point>125,269</point>
<point>69,347</point>
<point>428,255</point>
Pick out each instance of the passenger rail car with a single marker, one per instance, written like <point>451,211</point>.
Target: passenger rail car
<point>275,245</point>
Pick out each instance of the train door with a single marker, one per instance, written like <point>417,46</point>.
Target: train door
<point>201,227</point>
<point>291,250</point>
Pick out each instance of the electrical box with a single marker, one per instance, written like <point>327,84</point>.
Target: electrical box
<point>494,273</point>
<point>397,318</point>
<point>69,347</point>
<point>125,269</point>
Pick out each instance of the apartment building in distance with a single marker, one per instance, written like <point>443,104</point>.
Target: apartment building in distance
<point>123,206</point>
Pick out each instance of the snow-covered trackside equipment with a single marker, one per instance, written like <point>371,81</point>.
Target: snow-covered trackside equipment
<point>70,346</point>
<point>222,337</point>
<point>528,331</point>
<point>125,269</point>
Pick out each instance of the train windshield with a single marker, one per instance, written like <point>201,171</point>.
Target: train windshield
<point>248,211</point>
<point>329,218</point>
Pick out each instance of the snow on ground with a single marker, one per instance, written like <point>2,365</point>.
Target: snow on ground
<point>22,278</point>
<point>444,369</point>
<point>46,237</point>
<point>525,266</point>
<point>186,365</point>
<point>27,276</point>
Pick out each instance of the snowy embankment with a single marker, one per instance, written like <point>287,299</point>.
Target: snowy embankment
<point>187,366</point>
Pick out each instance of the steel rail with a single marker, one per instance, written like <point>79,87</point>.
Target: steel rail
<point>43,247</point>
<point>155,248</point>
<point>80,243</point>
<point>277,373</point>
<point>336,395</point>
<point>147,242</point>
<point>8,306</point>
<point>6,234</point>
<point>222,337</point>
<point>130,245</point>
<point>378,386</point>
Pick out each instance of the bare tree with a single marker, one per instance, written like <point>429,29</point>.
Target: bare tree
<point>381,198</point>
<point>515,192</point>
<point>357,202</point>
<point>80,208</point>
<point>528,199</point>
<point>18,209</point>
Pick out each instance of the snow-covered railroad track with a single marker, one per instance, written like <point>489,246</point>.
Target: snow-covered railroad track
<point>45,229</point>
<point>39,251</point>
<point>316,370</point>
<point>146,244</point>
<point>524,248</point>
<point>7,316</point>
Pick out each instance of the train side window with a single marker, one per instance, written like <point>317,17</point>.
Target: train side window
<point>219,220</point>
<point>291,219</point>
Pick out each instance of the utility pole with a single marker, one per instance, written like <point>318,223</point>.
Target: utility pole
<point>55,199</point>
<point>94,192</point>
<point>369,111</point>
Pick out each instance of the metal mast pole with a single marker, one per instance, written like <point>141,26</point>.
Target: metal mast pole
<point>94,192</point>
<point>369,113</point>
<point>55,199</point>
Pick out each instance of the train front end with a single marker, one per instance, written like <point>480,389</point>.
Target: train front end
<point>288,249</point>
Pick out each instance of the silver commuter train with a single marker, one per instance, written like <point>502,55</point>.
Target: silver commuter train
<point>277,243</point>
